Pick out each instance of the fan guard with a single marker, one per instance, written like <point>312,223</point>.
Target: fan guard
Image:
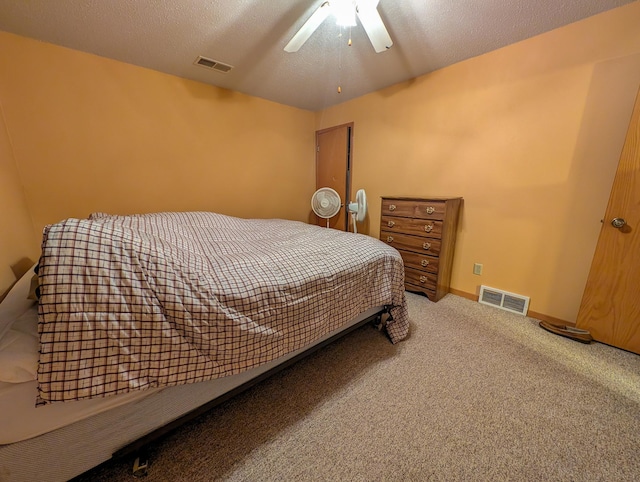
<point>326,203</point>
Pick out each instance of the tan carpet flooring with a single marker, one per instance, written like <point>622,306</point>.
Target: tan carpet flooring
<point>474,394</point>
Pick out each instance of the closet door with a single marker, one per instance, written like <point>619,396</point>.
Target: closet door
<point>610,307</point>
<point>333,168</point>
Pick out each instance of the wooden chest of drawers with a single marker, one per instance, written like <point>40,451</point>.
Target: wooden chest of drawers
<point>424,232</point>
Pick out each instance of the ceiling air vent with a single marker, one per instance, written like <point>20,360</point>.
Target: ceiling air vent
<point>212,64</point>
<point>504,300</point>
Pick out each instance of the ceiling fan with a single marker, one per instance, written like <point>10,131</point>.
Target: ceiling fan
<point>345,12</point>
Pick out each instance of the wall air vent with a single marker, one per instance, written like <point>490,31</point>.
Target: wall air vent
<point>504,300</point>
<point>212,64</point>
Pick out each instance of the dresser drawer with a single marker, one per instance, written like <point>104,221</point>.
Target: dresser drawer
<point>411,243</point>
<point>413,208</point>
<point>419,227</point>
<point>420,262</point>
<point>420,279</point>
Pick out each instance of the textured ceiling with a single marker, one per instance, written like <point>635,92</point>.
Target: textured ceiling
<point>168,36</point>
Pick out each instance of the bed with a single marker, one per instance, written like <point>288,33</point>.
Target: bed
<point>144,320</point>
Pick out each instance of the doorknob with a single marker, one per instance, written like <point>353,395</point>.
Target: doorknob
<point>618,223</point>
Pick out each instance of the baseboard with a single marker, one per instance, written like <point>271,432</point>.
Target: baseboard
<point>463,294</point>
<point>530,314</point>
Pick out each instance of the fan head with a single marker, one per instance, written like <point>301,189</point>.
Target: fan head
<point>325,202</point>
<point>359,208</point>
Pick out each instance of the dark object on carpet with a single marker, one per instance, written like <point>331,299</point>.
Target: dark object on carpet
<point>583,336</point>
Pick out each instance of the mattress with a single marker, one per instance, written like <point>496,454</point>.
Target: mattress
<point>20,419</point>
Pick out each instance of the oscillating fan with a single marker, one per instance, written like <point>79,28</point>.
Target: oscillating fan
<point>325,202</point>
<point>358,209</point>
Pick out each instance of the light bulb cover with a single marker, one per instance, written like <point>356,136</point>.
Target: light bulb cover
<point>345,12</point>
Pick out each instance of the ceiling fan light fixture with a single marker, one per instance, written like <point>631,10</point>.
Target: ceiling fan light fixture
<point>345,12</point>
<point>365,10</point>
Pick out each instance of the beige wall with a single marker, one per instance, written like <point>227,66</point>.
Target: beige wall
<point>529,135</point>
<point>18,245</point>
<point>91,134</point>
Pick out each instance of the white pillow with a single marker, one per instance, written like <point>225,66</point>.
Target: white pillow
<point>19,350</point>
<point>16,302</point>
<point>18,357</point>
<point>19,334</point>
<point>27,322</point>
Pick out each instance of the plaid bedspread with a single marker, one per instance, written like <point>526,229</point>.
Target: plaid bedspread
<point>134,302</point>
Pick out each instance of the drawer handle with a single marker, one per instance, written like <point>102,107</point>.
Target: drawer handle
<point>389,239</point>
<point>423,279</point>
<point>424,262</point>
<point>392,207</point>
<point>430,210</point>
<point>428,228</point>
<point>426,245</point>
<point>391,224</point>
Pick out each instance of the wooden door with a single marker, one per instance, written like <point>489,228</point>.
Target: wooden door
<point>333,168</point>
<point>610,307</point>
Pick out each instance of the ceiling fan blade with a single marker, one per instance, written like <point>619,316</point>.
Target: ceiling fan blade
<point>373,25</point>
<point>308,28</point>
